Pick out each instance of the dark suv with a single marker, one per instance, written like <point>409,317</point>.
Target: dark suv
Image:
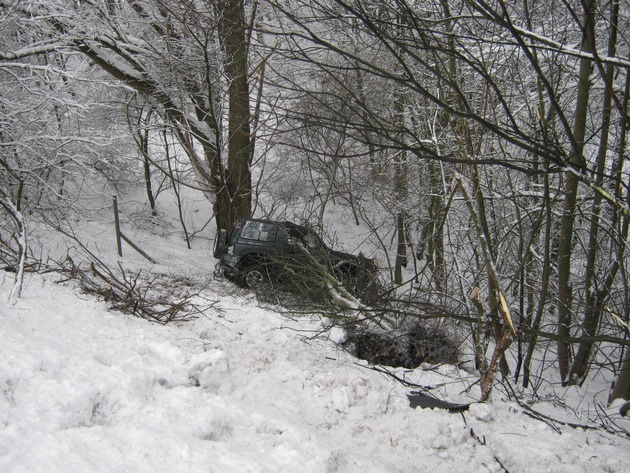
<point>263,251</point>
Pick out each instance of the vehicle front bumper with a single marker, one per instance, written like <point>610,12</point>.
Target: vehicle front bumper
<point>227,266</point>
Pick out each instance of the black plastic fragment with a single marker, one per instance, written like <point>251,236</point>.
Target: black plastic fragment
<point>420,399</point>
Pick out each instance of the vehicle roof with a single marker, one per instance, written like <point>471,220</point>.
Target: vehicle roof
<point>285,224</point>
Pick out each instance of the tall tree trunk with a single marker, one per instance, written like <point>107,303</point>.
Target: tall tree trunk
<point>621,387</point>
<point>544,285</point>
<point>565,247</point>
<point>235,199</point>
<point>435,246</point>
<point>400,191</point>
<point>535,310</point>
<point>595,299</point>
<point>400,177</point>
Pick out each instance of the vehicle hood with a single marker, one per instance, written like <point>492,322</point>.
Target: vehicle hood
<point>339,256</point>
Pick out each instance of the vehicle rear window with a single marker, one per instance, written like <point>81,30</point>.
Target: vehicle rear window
<point>260,231</point>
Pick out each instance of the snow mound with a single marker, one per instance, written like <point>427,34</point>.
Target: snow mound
<point>241,389</point>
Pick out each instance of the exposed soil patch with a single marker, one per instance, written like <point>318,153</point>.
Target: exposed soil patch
<point>406,347</point>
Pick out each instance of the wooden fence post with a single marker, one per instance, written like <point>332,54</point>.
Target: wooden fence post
<point>117,221</point>
<point>121,236</point>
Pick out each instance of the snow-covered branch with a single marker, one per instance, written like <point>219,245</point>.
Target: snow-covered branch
<point>18,219</point>
<point>32,50</point>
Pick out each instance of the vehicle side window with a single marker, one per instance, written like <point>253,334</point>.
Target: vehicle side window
<point>235,231</point>
<point>260,231</point>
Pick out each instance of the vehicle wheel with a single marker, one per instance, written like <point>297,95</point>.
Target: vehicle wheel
<point>220,240</point>
<point>254,278</point>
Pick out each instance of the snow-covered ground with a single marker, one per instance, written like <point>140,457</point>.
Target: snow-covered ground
<point>246,389</point>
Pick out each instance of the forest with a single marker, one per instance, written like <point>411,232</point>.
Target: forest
<point>480,146</point>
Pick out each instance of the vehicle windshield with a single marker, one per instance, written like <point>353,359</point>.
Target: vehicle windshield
<point>260,231</point>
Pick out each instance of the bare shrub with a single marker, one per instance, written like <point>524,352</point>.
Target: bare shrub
<point>133,294</point>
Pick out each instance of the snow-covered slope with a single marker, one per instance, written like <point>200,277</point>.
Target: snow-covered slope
<point>242,389</point>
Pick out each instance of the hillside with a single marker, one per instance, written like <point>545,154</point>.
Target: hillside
<point>242,388</point>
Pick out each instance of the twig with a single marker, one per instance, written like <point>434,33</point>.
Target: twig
<point>399,379</point>
<point>545,418</point>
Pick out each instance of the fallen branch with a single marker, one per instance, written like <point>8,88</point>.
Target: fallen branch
<point>125,293</point>
<point>550,421</point>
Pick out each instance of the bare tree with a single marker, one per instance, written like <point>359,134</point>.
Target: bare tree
<point>183,55</point>
<point>57,139</point>
<point>596,292</point>
<point>518,115</point>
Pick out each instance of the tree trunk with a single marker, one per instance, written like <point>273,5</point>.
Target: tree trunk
<point>544,286</point>
<point>595,299</point>
<point>143,144</point>
<point>235,198</point>
<point>20,238</point>
<point>400,182</point>
<point>621,390</point>
<point>435,228</point>
<point>565,247</point>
